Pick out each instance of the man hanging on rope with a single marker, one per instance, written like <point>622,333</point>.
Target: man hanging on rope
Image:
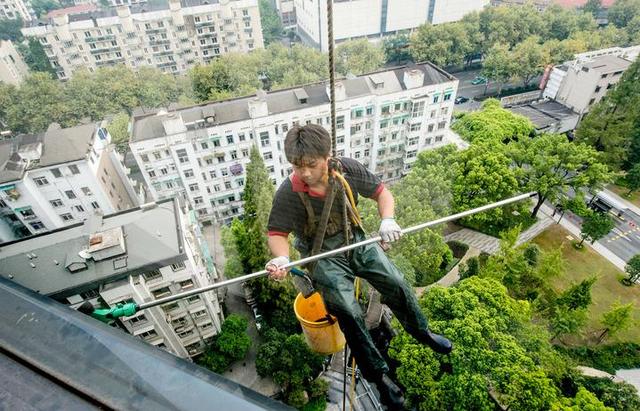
<point>298,206</point>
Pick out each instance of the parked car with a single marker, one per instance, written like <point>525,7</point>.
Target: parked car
<point>461,99</point>
<point>478,80</point>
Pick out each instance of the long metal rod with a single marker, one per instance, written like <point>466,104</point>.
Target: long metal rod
<point>329,253</point>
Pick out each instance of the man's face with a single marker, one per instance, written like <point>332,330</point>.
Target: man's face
<point>312,171</point>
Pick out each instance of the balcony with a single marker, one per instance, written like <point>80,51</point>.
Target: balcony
<point>107,37</point>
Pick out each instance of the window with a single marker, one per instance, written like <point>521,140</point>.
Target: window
<point>70,194</point>
<point>264,139</point>
<point>384,124</point>
<point>609,86</point>
<point>198,200</point>
<point>268,155</point>
<point>418,109</point>
<point>186,284</point>
<point>220,158</point>
<point>227,185</point>
<point>171,306</point>
<point>86,191</point>
<point>436,98</point>
<point>224,172</point>
<point>66,217</point>
<point>369,111</point>
<point>416,127</point>
<point>41,181</point>
<point>147,335</point>
<point>37,225</point>
<point>339,122</point>
<point>79,208</point>
<point>357,154</point>
<point>216,142</point>
<point>234,154</point>
<point>145,158</point>
<point>430,128</point>
<point>413,141</point>
<point>385,109</point>
<point>56,172</point>
<point>242,138</point>
<point>178,266</point>
<point>95,205</point>
<point>411,153</point>
<point>447,97</point>
<point>444,110</point>
<point>442,125</point>
<point>182,156</point>
<point>138,320</point>
<point>193,300</point>
<point>439,139</point>
<point>229,139</point>
<point>340,140</point>
<point>194,187</point>
<point>188,173</point>
<point>27,213</point>
<point>56,203</point>
<point>74,169</point>
<point>161,292</point>
<point>382,138</point>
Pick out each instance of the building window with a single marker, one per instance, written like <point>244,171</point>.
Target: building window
<point>182,156</point>
<point>193,300</point>
<point>169,307</point>
<point>56,172</point>
<point>66,217</point>
<point>56,203</point>
<point>37,225</point>
<point>186,284</point>
<point>79,208</point>
<point>188,173</point>
<point>138,320</point>
<point>152,174</point>
<point>447,97</point>
<point>194,187</point>
<point>161,292</point>
<point>86,191</point>
<point>27,213</point>
<point>74,169</point>
<point>229,139</point>
<point>148,335</point>
<point>144,158</point>
<point>264,139</point>
<point>227,185</point>
<point>198,200</point>
<point>442,125</point>
<point>95,205</point>
<point>418,109</point>
<point>41,181</point>
<point>339,122</point>
<point>268,155</point>
<point>70,194</point>
<point>178,266</point>
<point>436,98</point>
<point>439,139</point>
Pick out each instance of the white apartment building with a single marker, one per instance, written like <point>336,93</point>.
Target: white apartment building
<point>383,120</point>
<point>55,179</point>
<point>138,255</point>
<point>12,67</point>
<point>172,36</point>
<point>287,12</point>
<point>15,9</point>
<point>375,18</point>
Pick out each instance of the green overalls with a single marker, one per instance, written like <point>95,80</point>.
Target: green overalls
<point>334,278</point>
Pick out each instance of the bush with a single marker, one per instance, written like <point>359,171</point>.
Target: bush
<point>470,268</point>
<point>619,396</point>
<point>458,248</point>
<point>531,253</point>
<point>608,358</point>
<point>230,345</point>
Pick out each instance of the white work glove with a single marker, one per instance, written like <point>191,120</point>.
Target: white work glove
<point>389,230</point>
<point>273,266</point>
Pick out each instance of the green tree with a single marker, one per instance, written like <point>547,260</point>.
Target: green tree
<point>583,401</point>
<point>443,44</point>
<point>482,321</point>
<point>550,164</point>
<point>612,123</point>
<point>618,395</point>
<point>396,48</point>
<point>632,179</point>
<point>10,29</point>
<point>232,265</point>
<point>623,11</point>
<point>578,295</point>
<point>510,25</point>
<point>633,269</point>
<point>271,24</point>
<point>292,365</point>
<point>358,57</point>
<point>42,7</point>
<point>119,129</point>
<point>592,7</point>
<point>595,226</point>
<point>617,319</point>
<point>565,321</point>
<point>562,23</point>
<point>231,344</point>
<point>499,65</point>
<point>493,124</point>
<point>35,57</point>
<point>529,57</point>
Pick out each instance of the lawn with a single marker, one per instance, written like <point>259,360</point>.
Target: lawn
<point>622,192</point>
<point>581,264</point>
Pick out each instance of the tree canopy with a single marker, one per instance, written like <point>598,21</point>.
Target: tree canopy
<point>358,57</point>
<point>493,124</point>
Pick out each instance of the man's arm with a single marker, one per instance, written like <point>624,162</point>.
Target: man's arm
<point>386,205</point>
<point>279,246</point>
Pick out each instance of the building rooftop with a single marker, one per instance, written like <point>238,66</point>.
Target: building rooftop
<point>150,239</point>
<point>80,8</point>
<point>149,124</point>
<point>574,4</point>
<point>546,114</point>
<point>54,146</point>
<point>607,64</point>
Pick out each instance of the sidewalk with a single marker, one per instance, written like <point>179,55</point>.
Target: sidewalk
<point>597,246</point>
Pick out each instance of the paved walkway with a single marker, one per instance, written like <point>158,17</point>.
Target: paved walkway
<point>592,372</point>
<point>630,377</point>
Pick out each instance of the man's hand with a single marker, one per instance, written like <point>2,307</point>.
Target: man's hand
<point>273,267</point>
<point>389,230</point>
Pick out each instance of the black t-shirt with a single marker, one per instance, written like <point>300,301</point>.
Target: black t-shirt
<point>288,213</point>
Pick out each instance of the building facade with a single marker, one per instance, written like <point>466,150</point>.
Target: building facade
<point>58,178</point>
<point>15,9</point>
<point>383,120</point>
<point>171,36</point>
<point>133,256</point>
<point>12,67</point>
<point>287,12</point>
<point>373,19</point>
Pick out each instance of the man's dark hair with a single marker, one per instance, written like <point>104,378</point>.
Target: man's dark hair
<point>303,142</point>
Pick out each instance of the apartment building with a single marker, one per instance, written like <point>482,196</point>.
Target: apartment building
<point>287,12</point>
<point>55,179</point>
<point>383,120</point>
<point>579,85</point>
<point>137,255</point>
<point>375,18</point>
<point>16,9</point>
<point>12,67</point>
<point>171,36</point>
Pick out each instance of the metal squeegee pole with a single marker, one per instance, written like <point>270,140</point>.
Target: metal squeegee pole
<point>336,251</point>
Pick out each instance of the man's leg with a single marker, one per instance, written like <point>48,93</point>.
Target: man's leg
<point>333,278</point>
<point>372,264</point>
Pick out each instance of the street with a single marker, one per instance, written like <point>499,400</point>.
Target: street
<point>624,240</point>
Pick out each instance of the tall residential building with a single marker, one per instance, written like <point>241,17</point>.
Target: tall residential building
<point>171,36</point>
<point>581,83</point>
<point>137,255</point>
<point>58,178</point>
<point>287,12</point>
<point>12,67</point>
<point>15,9</point>
<point>375,18</point>
<point>383,119</point>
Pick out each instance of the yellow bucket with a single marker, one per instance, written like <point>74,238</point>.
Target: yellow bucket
<point>322,336</point>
